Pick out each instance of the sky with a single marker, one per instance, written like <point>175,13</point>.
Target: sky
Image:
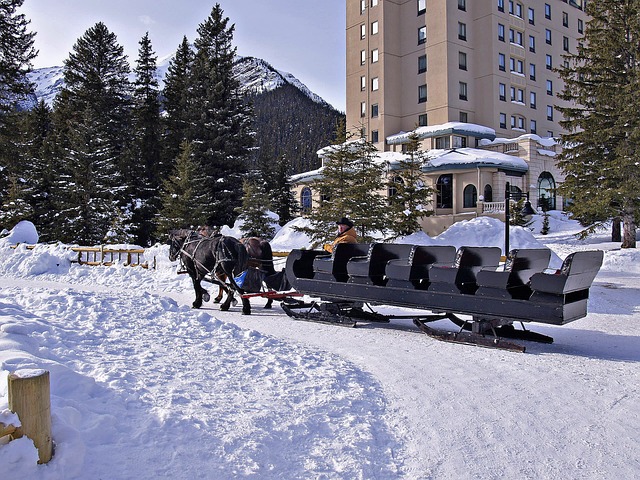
<point>303,37</point>
<point>145,387</point>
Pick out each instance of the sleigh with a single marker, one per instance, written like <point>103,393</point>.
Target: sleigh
<point>446,282</point>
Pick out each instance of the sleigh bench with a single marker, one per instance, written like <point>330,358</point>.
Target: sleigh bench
<point>334,267</point>
<point>460,276</point>
<point>370,269</point>
<point>413,272</point>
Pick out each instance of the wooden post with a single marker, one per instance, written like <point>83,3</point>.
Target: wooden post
<point>29,398</point>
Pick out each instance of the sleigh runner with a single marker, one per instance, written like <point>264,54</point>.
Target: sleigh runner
<point>447,282</point>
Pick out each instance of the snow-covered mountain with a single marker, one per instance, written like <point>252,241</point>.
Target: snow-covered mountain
<point>254,74</point>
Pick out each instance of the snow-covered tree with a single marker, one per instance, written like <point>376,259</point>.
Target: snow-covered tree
<point>254,211</point>
<point>601,153</point>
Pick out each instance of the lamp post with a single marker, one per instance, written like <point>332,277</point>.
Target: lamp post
<point>527,210</point>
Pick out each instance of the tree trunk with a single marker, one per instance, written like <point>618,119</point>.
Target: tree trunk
<point>629,230</point>
<point>616,230</point>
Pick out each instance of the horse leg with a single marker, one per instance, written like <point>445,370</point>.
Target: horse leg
<point>196,286</point>
<point>246,306</point>
<point>227,302</point>
<point>219,296</point>
<point>269,303</point>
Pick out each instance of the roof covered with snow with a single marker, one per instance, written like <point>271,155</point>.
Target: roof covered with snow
<point>449,128</point>
<point>464,158</point>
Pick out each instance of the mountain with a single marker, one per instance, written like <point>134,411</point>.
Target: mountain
<point>254,74</point>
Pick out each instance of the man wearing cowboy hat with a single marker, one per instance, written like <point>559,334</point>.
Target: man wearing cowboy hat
<point>346,234</point>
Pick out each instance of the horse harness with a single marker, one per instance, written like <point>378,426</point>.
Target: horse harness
<point>199,264</point>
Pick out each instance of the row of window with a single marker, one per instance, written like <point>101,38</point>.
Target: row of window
<point>518,122</point>
<point>516,9</point>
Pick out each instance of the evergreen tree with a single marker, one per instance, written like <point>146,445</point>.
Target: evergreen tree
<point>176,96</point>
<point>409,204</point>
<point>600,155</point>
<point>220,128</point>
<point>351,185</point>
<point>14,208</point>
<point>182,194</point>
<point>282,199</point>
<point>147,168</point>
<point>16,53</point>
<point>93,120</point>
<point>254,211</point>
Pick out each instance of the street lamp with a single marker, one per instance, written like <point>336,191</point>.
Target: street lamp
<point>527,210</point>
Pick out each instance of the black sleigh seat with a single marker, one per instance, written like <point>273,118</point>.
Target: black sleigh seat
<point>513,281</point>
<point>370,269</point>
<point>334,267</point>
<point>571,282</point>
<point>460,276</point>
<point>413,272</point>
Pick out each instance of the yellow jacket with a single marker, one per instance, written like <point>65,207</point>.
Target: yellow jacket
<point>348,236</point>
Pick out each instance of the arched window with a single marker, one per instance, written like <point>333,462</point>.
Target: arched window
<point>392,189</point>
<point>488,193</point>
<point>470,196</point>
<point>305,200</point>
<point>546,192</point>
<point>444,189</point>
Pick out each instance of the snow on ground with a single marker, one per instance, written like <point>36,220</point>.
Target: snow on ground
<point>144,387</point>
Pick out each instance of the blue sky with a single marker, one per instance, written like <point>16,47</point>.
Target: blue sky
<point>302,37</point>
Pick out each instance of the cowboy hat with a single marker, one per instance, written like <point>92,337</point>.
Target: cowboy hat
<point>345,221</point>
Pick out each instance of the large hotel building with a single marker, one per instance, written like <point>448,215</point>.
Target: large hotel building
<point>428,62</point>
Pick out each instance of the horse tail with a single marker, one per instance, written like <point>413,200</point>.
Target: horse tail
<point>267,257</point>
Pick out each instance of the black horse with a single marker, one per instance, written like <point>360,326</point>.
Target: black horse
<point>219,259</point>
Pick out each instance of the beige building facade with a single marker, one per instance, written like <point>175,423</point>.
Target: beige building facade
<point>416,63</point>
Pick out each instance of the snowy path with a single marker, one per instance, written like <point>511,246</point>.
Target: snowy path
<point>196,396</point>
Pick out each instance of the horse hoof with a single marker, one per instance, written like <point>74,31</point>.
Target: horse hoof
<point>196,305</point>
<point>267,307</point>
<point>217,300</point>
<point>224,308</point>
<point>246,312</point>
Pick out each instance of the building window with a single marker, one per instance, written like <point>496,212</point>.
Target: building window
<point>463,91</point>
<point>547,11</point>
<point>374,28</point>
<point>519,10</point>
<point>464,118</point>
<point>565,19</point>
<point>511,7</point>
<point>521,123</point>
<point>532,17</point>
<point>459,142</point>
<point>520,96</point>
<point>547,36</point>
<point>513,121</point>
<point>532,44</point>
<point>374,110</point>
<point>422,6</point>
<point>503,120</point>
<point>422,63</point>
<point>306,200</point>
<point>501,5</point>
<point>488,193</point>
<point>502,92</point>
<point>444,191</point>
<point>422,120</point>
<point>422,93</point>
<point>374,55</point>
<point>374,136</point>
<point>533,124</point>
<point>363,6</point>
<point>443,142</point>
<point>546,191</point>
<point>565,44</point>
<point>462,60</point>
<point>516,65</point>
<point>549,87</point>
<point>470,197</point>
<point>501,62</point>
<point>462,5</point>
<point>580,26</point>
<point>549,112</point>
<point>392,189</point>
<point>549,62</point>
<point>549,134</point>
<point>363,57</point>
<point>532,71</point>
<point>532,99</point>
<point>363,109</point>
<point>462,31</point>
<point>422,35</point>
<point>363,31</point>
<point>501,32</point>
<point>374,3</point>
<point>375,84</point>
<point>363,83</point>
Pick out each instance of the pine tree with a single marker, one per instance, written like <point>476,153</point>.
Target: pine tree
<point>220,128</point>
<point>254,211</point>
<point>282,198</point>
<point>176,97</point>
<point>92,120</point>
<point>145,150</point>
<point>351,185</point>
<point>182,194</point>
<point>16,53</point>
<point>409,204</point>
<point>600,157</point>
